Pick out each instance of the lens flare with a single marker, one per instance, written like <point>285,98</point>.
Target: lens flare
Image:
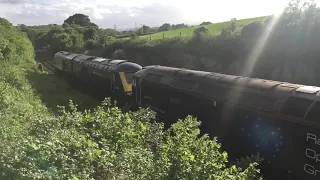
<point>252,59</point>
<point>259,47</point>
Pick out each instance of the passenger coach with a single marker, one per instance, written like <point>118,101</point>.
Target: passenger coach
<point>278,120</point>
<point>106,75</point>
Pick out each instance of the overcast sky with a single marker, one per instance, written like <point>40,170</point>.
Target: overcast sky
<point>124,13</point>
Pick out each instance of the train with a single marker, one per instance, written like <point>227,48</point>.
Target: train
<point>278,120</point>
<point>106,76</point>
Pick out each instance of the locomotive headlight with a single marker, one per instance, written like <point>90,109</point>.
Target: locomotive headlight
<point>129,93</point>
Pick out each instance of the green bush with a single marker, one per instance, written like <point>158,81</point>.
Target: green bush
<point>61,41</point>
<point>14,45</point>
<point>108,144</point>
<point>200,31</point>
<point>91,43</point>
<point>119,54</point>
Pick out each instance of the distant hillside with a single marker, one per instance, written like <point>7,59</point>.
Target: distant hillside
<point>214,29</point>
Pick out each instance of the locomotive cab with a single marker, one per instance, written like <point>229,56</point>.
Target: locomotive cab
<point>122,75</point>
<point>123,72</point>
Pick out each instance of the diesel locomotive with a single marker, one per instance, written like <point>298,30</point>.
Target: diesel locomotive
<point>278,120</point>
<point>113,77</point>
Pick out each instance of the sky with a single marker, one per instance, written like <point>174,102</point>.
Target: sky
<point>126,13</point>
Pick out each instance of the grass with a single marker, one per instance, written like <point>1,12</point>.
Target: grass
<point>53,91</point>
<point>214,29</point>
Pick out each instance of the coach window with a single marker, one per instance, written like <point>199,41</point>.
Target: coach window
<point>153,78</point>
<point>314,113</point>
<point>211,90</point>
<point>296,107</point>
<point>183,84</point>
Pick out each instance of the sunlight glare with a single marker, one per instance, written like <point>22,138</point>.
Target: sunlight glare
<point>259,47</point>
<point>250,65</point>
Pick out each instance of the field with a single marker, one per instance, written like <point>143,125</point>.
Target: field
<point>214,29</point>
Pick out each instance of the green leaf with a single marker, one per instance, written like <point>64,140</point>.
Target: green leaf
<point>98,152</point>
<point>192,157</point>
<point>90,143</point>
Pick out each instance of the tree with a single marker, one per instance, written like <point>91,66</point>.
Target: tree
<point>146,29</point>
<point>164,27</point>
<point>233,24</point>
<point>80,19</point>
<point>5,22</point>
<point>105,40</point>
<point>61,41</point>
<point>14,44</point>
<point>77,40</point>
<point>179,26</point>
<point>200,31</point>
<point>251,31</point>
<point>4,49</point>
<point>31,33</point>
<point>109,32</point>
<point>89,33</point>
<point>119,54</point>
<point>93,24</point>
<point>54,30</point>
<point>133,36</point>
<point>42,41</point>
<point>205,23</point>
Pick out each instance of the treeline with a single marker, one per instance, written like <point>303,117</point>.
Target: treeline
<point>283,49</point>
<point>167,27</point>
<point>75,33</point>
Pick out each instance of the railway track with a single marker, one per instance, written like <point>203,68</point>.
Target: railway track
<point>49,66</point>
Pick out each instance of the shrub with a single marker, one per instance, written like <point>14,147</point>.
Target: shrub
<point>108,144</point>
<point>133,36</point>
<point>61,41</point>
<point>91,43</point>
<point>200,31</point>
<point>119,54</point>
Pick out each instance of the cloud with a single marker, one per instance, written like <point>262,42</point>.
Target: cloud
<point>151,15</point>
<point>105,15</point>
<point>12,1</point>
<point>127,13</point>
<point>19,1</point>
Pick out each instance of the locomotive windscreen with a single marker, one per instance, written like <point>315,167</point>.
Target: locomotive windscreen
<point>129,77</point>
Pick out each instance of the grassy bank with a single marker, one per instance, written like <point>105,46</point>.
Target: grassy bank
<point>214,29</point>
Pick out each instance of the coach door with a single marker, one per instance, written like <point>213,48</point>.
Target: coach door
<point>138,90</point>
<point>113,82</point>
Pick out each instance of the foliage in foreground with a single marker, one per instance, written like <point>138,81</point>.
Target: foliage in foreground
<point>108,144</point>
